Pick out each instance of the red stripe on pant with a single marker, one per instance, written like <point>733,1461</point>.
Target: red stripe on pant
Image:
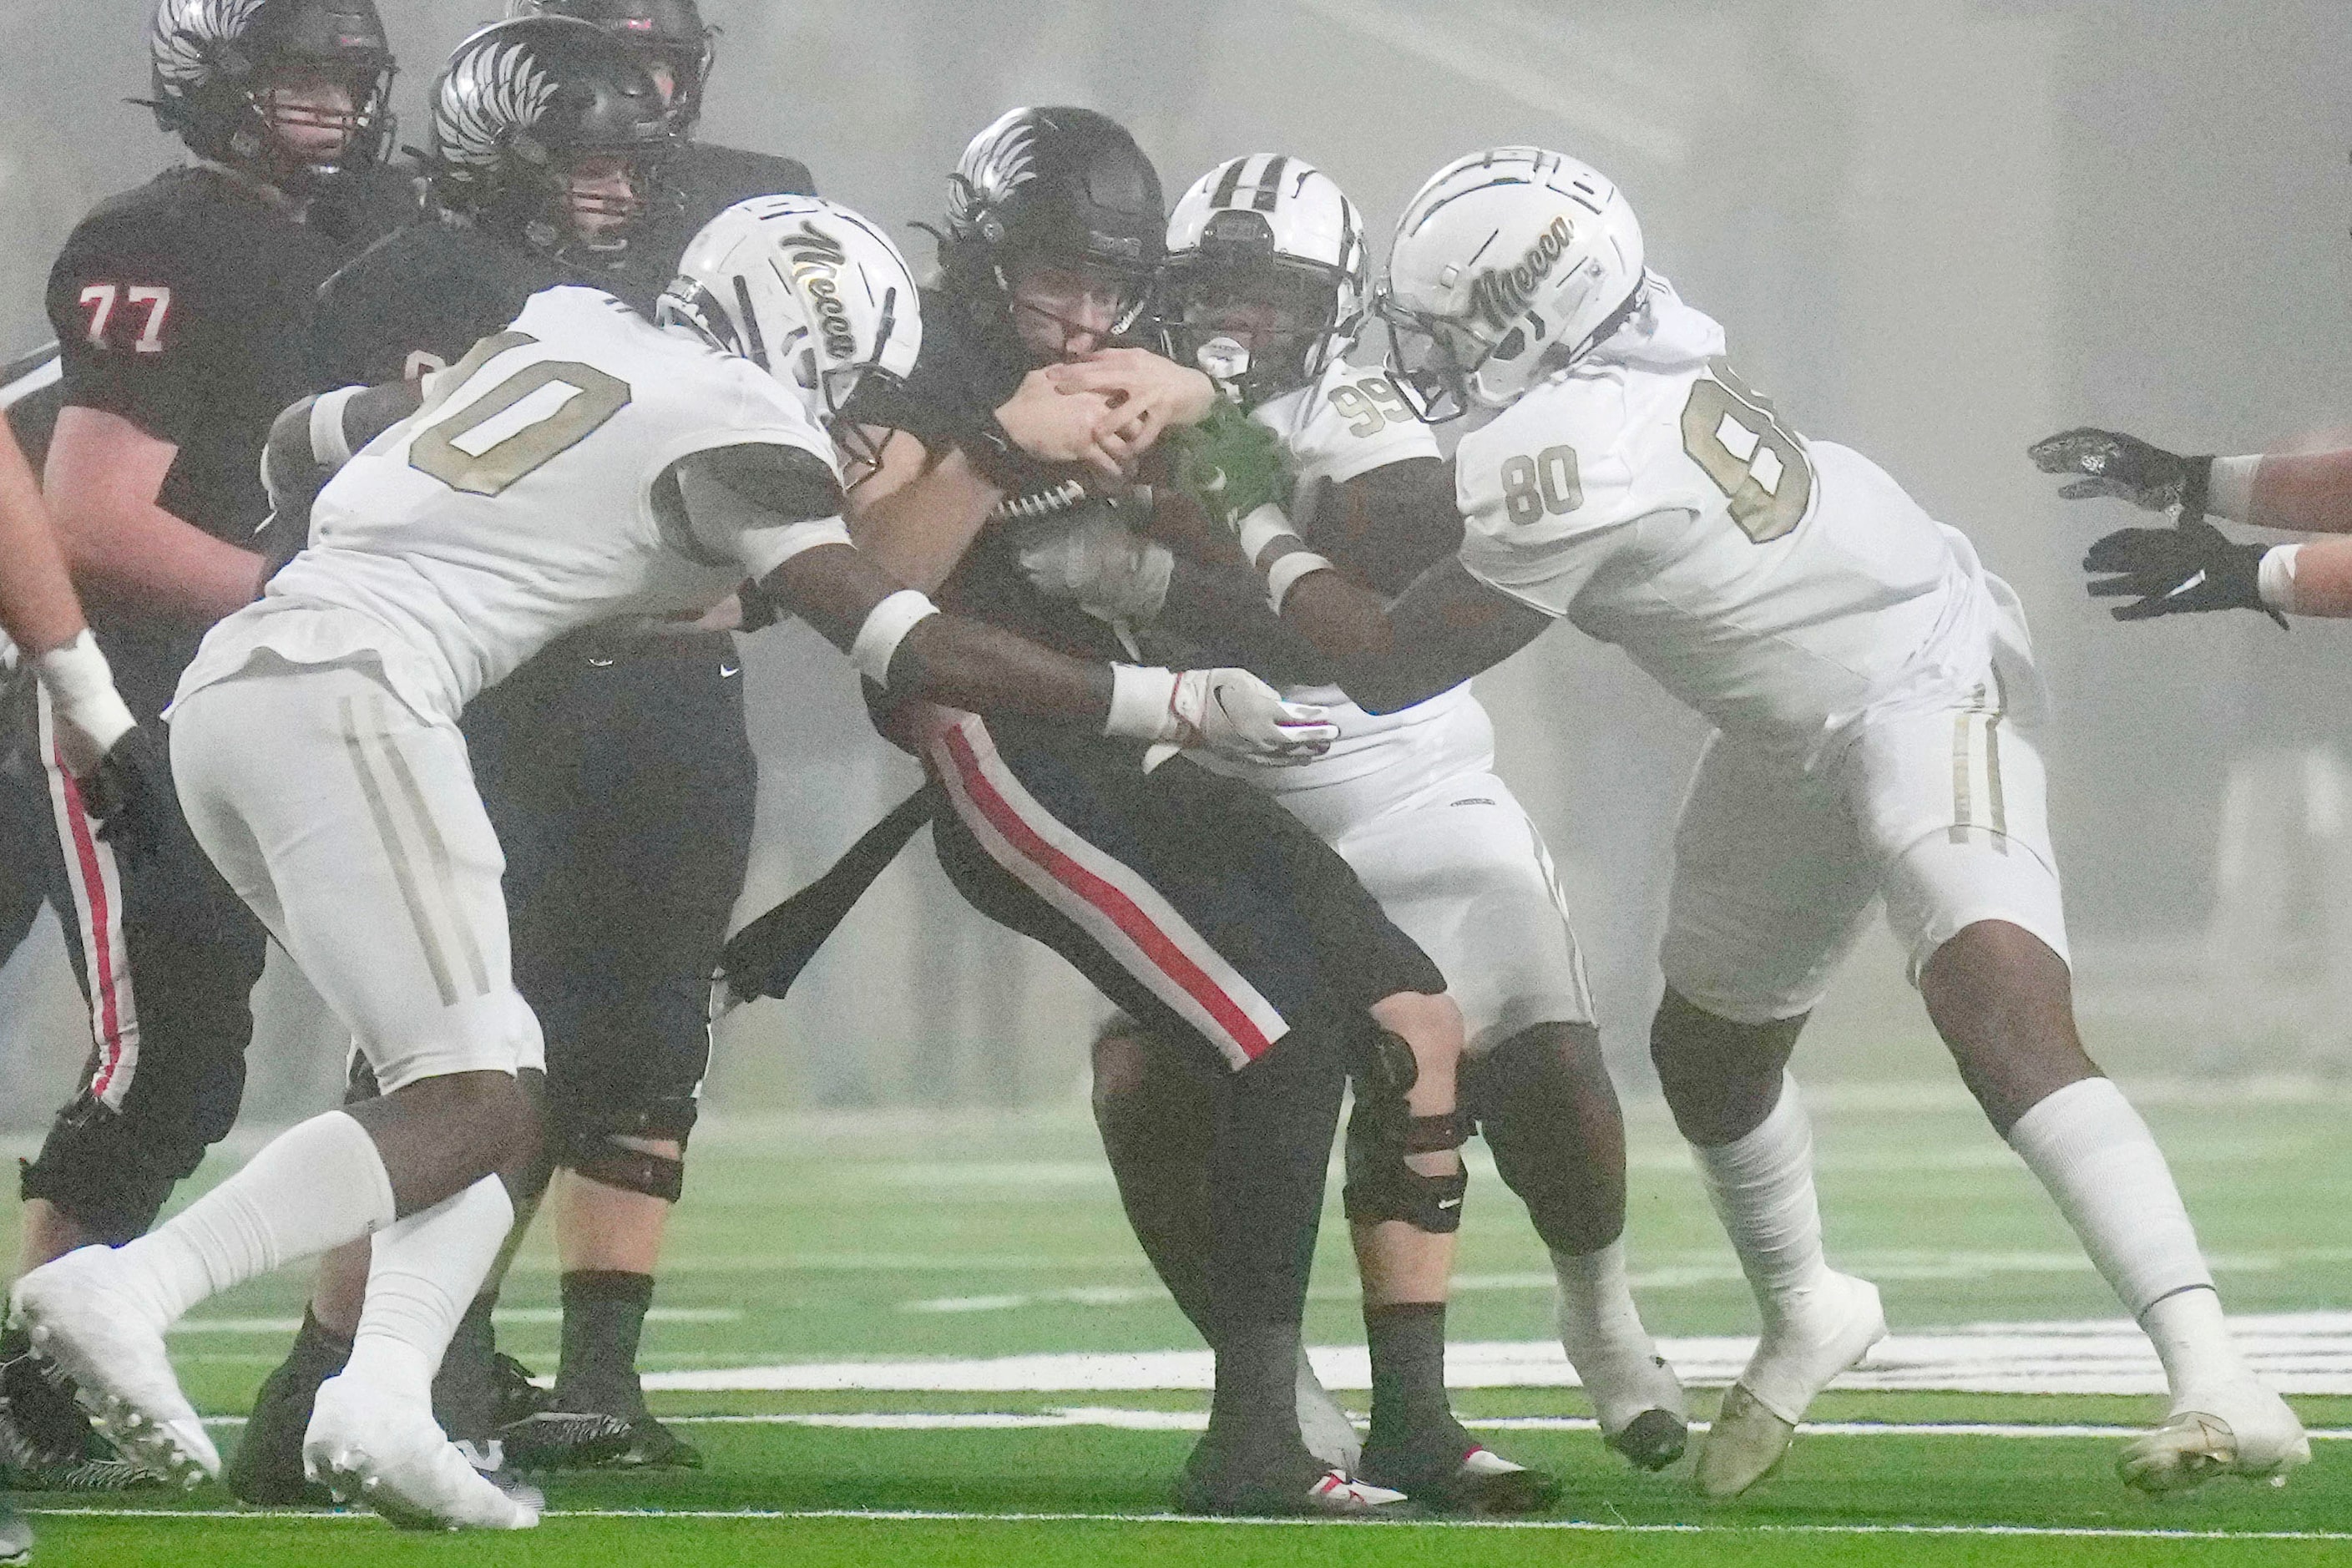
<point>102,932</point>
<point>1104,896</point>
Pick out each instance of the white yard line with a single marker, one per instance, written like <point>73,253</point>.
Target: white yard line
<point>1198,1421</point>
<point>2297,1353</point>
<point>922,1515</point>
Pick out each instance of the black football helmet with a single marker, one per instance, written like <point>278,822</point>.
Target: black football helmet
<point>1065,186</point>
<point>670,33</point>
<point>521,106</point>
<point>219,65</point>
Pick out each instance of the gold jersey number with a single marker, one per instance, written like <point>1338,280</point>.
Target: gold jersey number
<point>1755,459</point>
<point>528,420</point>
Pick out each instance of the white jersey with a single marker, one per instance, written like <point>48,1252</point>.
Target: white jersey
<point>1350,420</point>
<point>1777,585</point>
<point>519,504</point>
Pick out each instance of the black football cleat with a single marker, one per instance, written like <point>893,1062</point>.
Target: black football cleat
<point>47,1444</point>
<point>1462,1476</point>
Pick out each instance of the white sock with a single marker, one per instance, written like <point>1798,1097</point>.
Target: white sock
<point>1597,1315</point>
<point>314,1186</point>
<point>2100,1164</point>
<point>422,1275</point>
<point>1762,1189</point>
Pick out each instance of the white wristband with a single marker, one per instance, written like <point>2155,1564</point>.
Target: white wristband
<point>81,685</point>
<point>1142,704</point>
<point>2229,489</point>
<point>886,627</point>
<point>1285,574</point>
<point>1260,529</point>
<point>2275,579</point>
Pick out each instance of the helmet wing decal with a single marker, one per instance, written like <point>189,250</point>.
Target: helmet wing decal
<point>992,169</point>
<point>490,93</point>
<point>185,31</point>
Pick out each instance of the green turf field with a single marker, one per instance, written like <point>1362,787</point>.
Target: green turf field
<point>905,1238</point>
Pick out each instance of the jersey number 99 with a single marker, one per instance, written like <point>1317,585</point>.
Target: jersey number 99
<point>1757,461</point>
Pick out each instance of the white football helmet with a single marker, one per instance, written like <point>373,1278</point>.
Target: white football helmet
<point>806,289</point>
<point>1508,264</point>
<point>1266,274</point>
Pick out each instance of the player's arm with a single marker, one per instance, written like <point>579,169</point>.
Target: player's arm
<point>781,508</point>
<point>2304,492</point>
<point>309,444</point>
<point>99,740</point>
<point>103,478</point>
<point>938,481</point>
<point>1446,628</point>
<point>143,337</point>
<point>2195,566</point>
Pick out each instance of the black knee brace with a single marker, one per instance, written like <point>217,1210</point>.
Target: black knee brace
<point>593,1147</point>
<point>615,1164</point>
<point>1382,1130</point>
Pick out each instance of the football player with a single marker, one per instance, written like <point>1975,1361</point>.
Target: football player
<point>1187,898</point>
<point>701,180</point>
<point>180,308</point>
<point>1268,282</point>
<point>2196,566</point>
<point>42,628</point>
<point>583,465</point>
<point>1876,713</point>
<point>616,770</point>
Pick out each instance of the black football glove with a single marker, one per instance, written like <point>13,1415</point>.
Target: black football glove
<point>2174,571</point>
<point>2126,467</point>
<point>129,794</point>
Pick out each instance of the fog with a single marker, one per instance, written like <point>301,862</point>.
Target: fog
<point>1934,230</point>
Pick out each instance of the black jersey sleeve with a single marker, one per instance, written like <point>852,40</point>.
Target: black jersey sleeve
<point>712,179</point>
<point>148,321</point>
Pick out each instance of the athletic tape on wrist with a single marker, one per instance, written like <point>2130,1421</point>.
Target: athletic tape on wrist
<point>330,446</point>
<point>2229,489</point>
<point>1284,574</point>
<point>1142,704</point>
<point>886,627</point>
<point>1262,528</point>
<point>2275,578</point>
<point>81,684</point>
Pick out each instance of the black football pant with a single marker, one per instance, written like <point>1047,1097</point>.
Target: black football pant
<point>166,956</point>
<point>1207,911</point>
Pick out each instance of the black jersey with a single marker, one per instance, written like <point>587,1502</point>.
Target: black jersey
<point>707,180</point>
<point>417,299</point>
<point>962,375</point>
<point>184,307</point>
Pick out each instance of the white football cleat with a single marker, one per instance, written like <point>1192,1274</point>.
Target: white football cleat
<point>388,1454</point>
<point>2239,1429</point>
<point>1323,1426</point>
<point>1635,1395</point>
<point>1815,1334</point>
<point>83,1322</point>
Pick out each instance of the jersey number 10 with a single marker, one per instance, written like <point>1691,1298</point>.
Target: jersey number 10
<point>528,420</point>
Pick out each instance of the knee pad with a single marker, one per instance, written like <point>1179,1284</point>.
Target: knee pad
<point>593,1145</point>
<point>615,1164</point>
<point>1382,1130</point>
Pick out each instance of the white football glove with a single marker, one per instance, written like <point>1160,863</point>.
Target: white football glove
<point>1229,711</point>
<point>1093,560</point>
